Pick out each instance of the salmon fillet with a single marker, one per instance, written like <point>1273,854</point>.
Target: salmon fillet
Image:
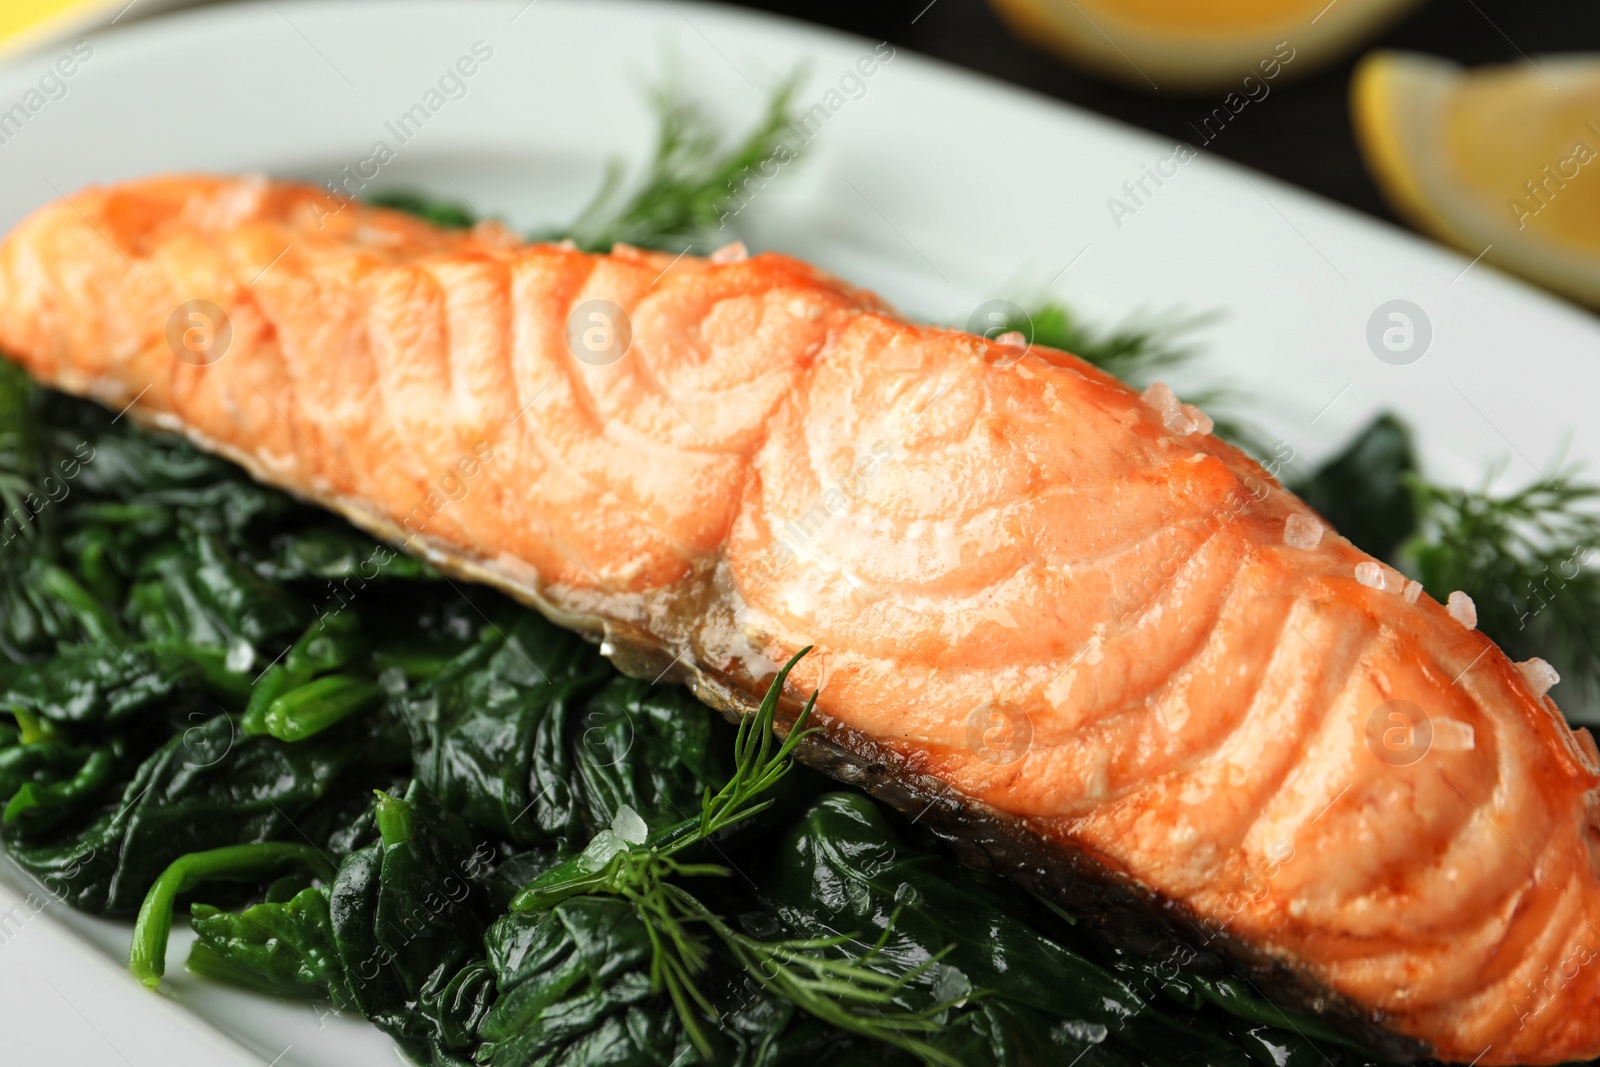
<point>1093,644</point>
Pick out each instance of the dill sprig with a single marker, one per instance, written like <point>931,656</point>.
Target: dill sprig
<point>1522,556</point>
<point>845,992</point>
<point>693,182</point>
<point>1136,353</point>
<point>444,213</point>
<point>685,935</point>
<point>758,766</point>
<point>693,186</point>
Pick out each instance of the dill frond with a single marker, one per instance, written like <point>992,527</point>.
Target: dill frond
<point>694,184</point>
<point>689,194</point>
<point>686,935</point>
<point>1137,353</point>
<point>1524,559</point>
<point>439,212</point>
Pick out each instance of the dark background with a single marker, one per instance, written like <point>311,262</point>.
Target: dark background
<point>1304,137</point>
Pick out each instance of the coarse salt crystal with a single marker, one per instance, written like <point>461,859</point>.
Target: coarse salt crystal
<point>1160,396</point>
<point>731,253</point>
<point>1302,531</point>
<point>1539,675</point>
<point>1412,591</point>
<point>1462,609</point>
<point>1179,418</point>
<point>241,654</point>
<point>1180,423</point>
<point>1380,577</point>
<point>602,846</point>
<point>628,825</point>
<point>1012,339</point>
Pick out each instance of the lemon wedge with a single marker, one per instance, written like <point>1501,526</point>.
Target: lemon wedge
<point>1199,45</point>
<point>27,24</point>
<point>1502,161</point>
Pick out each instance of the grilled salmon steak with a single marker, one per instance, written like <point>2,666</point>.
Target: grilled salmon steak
<point>1058,620</point>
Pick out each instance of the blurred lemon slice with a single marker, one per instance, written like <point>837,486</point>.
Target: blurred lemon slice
<point>26,24</point>
<point>1195,45</point>
<point>1503,158</point>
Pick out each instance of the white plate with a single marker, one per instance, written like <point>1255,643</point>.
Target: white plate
<point>940,189</point>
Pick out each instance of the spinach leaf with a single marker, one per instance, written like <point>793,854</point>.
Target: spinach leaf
<point>96,684</point>
<point>408,915</point>
<point>430,910</point>
<point>398,935</point>
<point>842,869</point>
<point>195,592</point>
<point>33,620</point>
<point>48,782</point>
<point>1363,491</point>
<point>205,787</point>
<point>286,949</point>
<point>575,979</point>
<point>575,989</point>
<point>329,553</point>
<point>535,739</point>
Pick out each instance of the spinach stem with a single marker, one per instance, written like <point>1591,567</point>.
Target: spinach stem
<point>315,706</point>
<point>147,959</point>
<point>95,772</point>
<point>394,819</point>
<point>33,729</point>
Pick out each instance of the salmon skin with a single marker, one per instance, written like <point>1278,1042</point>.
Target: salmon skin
<point>1092,644</point>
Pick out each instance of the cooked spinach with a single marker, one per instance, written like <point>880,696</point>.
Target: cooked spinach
<point>1035,988</point>
<point>1525,555</point>
<point>1365,491</point>
<point>204,788</point>
<point>251,863</point>
<point>397,933</point>
<point>531,735</point>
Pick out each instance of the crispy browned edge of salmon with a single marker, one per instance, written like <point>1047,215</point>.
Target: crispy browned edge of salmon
<point>1129,916</point>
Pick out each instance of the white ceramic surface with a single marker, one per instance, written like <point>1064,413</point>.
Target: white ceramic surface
<point>937,188</point>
